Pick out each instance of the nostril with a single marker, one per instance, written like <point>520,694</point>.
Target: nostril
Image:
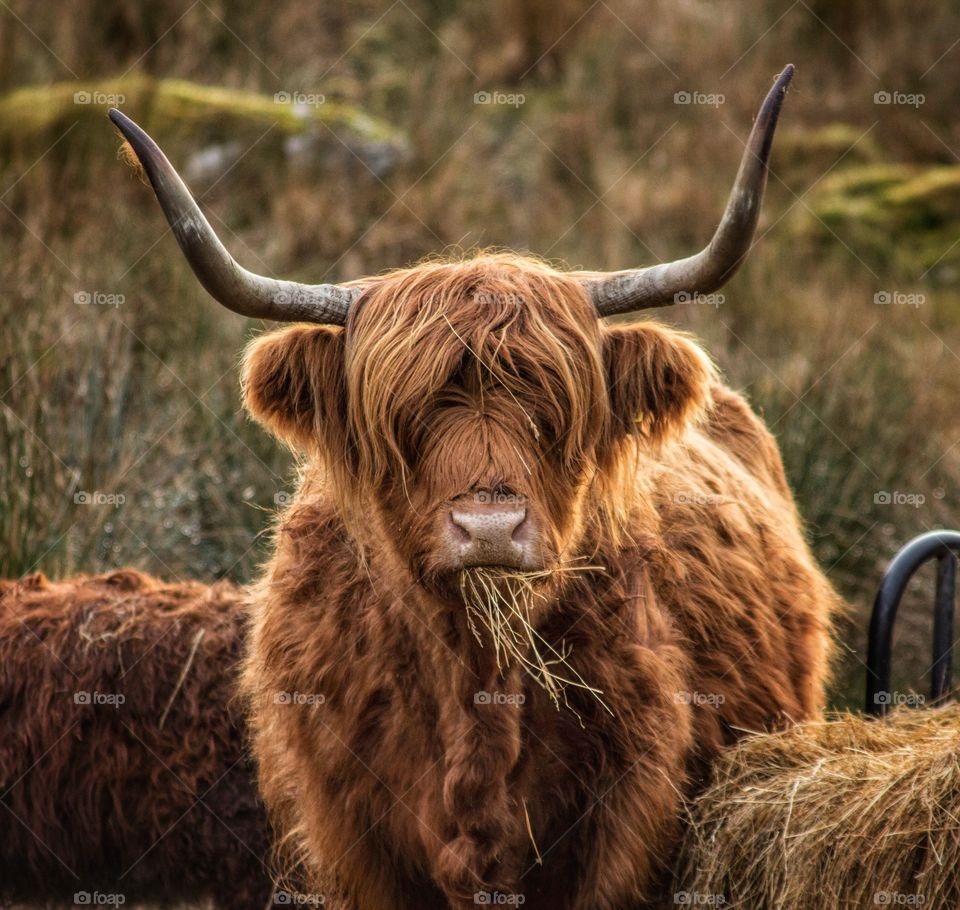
<point>519,530</point>
<point>460,530</point>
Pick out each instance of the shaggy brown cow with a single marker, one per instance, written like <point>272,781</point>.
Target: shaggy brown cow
<point>538,571</point>
<point>123,773</point>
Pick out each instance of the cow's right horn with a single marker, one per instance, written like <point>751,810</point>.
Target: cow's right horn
<point>226,281</point>
<point>712,267</point>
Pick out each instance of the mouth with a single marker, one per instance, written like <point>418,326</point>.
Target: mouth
<point>528,585</point>
<point>541,575</point>
<point>542,578</point>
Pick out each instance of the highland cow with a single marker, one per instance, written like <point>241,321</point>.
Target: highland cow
<point>124,776</point>
<point>539,569</point>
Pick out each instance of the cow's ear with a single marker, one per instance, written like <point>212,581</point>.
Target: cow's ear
<point>657,378</point>
<point>293,384</point>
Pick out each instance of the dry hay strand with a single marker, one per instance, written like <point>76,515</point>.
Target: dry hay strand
<point>841,813</point>
<point>503,603</point>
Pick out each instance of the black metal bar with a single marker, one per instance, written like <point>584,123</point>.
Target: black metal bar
<point>942,545</point>
<point>943,626</point>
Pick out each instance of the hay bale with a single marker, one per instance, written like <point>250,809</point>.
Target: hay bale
<point>841,813</point>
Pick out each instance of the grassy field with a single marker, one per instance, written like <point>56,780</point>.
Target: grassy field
<point>328,142</point>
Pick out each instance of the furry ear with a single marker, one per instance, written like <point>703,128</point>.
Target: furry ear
<point>658,380</point>
<point>293,384</point>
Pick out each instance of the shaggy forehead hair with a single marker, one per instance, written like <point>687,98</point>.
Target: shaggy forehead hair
<point>507,337</point>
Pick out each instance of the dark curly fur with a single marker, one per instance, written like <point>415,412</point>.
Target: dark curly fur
<point>152,798</point>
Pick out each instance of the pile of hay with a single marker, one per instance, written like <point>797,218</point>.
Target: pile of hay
<point>843,813</point>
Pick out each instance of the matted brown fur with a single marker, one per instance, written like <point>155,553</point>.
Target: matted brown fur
<point>387,766</point>
<point>850,812</point>
<point>152,798</point>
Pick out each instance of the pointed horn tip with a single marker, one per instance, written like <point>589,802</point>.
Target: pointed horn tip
<point>782,82</point>
<point>132,132</point>
<point>770,109</point>
<point>128,152</point>
<point>125,126</point>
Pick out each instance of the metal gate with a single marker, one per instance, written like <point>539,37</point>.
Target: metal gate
<point>944,546</point>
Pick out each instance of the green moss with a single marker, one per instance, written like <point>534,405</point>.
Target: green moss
<point>899,215</point>
<point>162,104</point>
<point>803,151</point>
<point>929,199</point>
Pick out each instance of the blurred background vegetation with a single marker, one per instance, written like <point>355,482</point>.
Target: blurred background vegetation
<point>329,141</point>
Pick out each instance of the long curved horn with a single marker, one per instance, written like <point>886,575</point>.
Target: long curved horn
<point>712,267</point>
<point>226,281</point>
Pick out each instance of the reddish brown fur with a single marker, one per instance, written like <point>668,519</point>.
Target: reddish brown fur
<point>101,798</point>
<point>709,617</point>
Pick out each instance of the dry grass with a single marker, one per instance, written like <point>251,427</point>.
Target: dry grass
<point>501,609</point>
<point>845,813</point>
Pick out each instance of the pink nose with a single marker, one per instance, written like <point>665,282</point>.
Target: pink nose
<point>491,535</point>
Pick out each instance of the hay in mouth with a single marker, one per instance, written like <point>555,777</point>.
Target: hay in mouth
<point>502,602</point>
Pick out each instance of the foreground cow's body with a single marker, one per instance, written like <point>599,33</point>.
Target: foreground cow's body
<point>418,793</point>
<point>123,775</point>
<point>538,571</point>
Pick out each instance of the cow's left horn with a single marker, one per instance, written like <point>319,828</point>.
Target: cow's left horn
<point>226,281</point>
<point>712,267</point>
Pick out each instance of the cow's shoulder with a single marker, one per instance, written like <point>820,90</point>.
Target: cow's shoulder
<point>735,427</point>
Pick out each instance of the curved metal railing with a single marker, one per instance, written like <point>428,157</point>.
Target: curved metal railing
<point>944,546</point>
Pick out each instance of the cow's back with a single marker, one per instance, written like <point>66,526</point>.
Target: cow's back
<point>122,758</point>
<point>733,568</point>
